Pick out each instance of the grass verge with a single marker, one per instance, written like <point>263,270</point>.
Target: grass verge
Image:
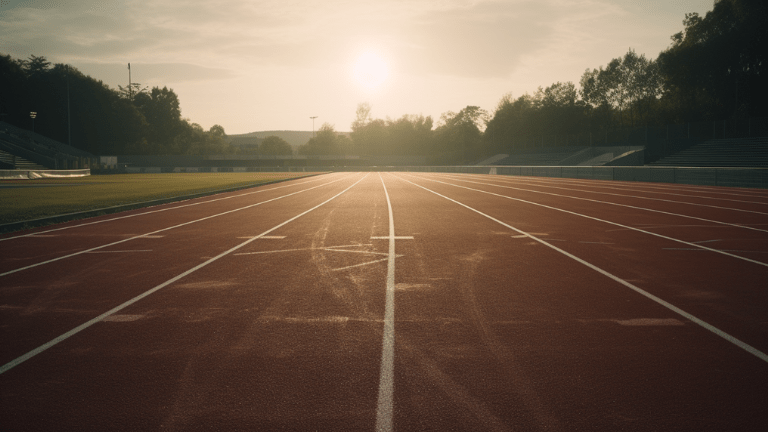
<point>27,200</point>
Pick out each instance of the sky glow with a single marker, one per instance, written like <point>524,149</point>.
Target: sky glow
<point>270,65</point>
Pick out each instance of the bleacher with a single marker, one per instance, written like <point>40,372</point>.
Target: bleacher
<point>9,161</point>
<point>35,151</point>
<point>731,152</point>
<point>540,157</point>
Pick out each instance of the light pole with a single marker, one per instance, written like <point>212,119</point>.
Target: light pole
<point>313,126</point>
<point>32,115</point>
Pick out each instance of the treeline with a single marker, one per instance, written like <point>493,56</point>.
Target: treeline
<point>103,120</point>
<point>714,69</point>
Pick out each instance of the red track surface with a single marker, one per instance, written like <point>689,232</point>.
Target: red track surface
<point>519,303</point>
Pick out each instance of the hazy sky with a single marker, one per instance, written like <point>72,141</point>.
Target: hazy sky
<point>270,65</point>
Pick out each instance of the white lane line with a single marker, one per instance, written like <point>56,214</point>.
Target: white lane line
<point>588,242</point>
<point>121,251</point>
<point>396,238</point>
<point>36,234</point>
<point>160,230</point>
<point>10,365</point>
<point>385,409</point>
<point>725,250</point>
<point>353,245</point>
<point>329,249</point>
<point>606,221</point>
<point>746,347</point>
<point>265,237</point>
<point>601,202</point>
<point>633,186</point>
<point>706,241</point>
<point>537,182</point>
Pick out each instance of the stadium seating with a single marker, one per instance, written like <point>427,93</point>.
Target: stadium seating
<point>732,152</point>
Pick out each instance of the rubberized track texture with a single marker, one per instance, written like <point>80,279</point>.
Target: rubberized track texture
<point>395,301</point>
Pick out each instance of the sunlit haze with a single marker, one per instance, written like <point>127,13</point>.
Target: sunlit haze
<point>270,65</point>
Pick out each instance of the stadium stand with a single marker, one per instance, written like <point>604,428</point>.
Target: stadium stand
<point>731,152</point>
<point>570,156</point>
<point>27,148</point>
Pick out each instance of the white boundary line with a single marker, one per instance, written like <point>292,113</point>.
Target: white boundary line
<point>160,230</point>
<point>649,186</point>
<point>157,211</point>
<point>534,183</point>
<point>608,222</point>
<point>748,348</point>
<point>81,327</point>
<point>385,408</point>
<point>601,186</point>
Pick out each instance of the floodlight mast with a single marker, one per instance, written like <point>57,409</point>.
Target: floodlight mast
<point>313,126</point>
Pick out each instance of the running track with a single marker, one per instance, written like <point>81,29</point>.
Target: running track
<point>395,301</point>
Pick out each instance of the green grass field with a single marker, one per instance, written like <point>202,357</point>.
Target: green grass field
<point>23,200</point>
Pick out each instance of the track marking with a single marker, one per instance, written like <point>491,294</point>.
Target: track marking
<point>638,186</point>
<point>121,251</point>
<point>608,222</point>
<point>265,237</point>
<point>360,265</point>
<point>591,200</point>
<point>353,245</point>
<point>723,250</point>
<point>396,238</point>
<point>746,347</point>
<point>706,241</point>
<point>160,230</point>
<point>157,211</point>
<point>543,183</point>
<point>10,365</point>
<point>384,409</point>
<point>329,249</point>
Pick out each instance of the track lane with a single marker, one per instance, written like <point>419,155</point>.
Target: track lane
<point>710,286</point>
<point>715,191</point>
<point>754,220</point>
<point>749,241</point>
<point>89,284</point>
<point>494,334</point>
<point>23,252</point>
<point>285,333</point>
<point>47,243</point>
<point>702,200</point>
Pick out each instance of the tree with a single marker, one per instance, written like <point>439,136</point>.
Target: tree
<point>326,142</point>
<point>274,145</point>
<point>218,131</point>
<point>716,67</point>
<point>161,108</point>
<point>459,133</point>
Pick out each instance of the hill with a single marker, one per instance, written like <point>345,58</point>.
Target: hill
<point>294,138</point>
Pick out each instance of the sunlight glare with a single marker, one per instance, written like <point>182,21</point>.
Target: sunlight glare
<point>370,71</point>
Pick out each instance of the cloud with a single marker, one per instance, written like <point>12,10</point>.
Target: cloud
<point>154,74</point>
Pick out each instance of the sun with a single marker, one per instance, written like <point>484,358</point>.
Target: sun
<point>370,71</point>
